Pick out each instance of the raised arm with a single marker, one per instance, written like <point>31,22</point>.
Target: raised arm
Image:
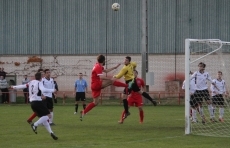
<point>45,90</point>
<point>110,69</point>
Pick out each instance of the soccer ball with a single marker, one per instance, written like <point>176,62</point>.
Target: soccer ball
<point>115,6</point>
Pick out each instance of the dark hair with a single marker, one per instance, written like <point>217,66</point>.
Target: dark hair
<point>136,71</point>
<point>46,70</point>
<point>40,70</point>
<point>202,64</point>
<point>129,58</point>
<point>38,76</point>
<point>80,73</point>
<point>220,72</point>
<point>101,58</point>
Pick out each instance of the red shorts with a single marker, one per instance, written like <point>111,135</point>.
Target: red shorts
<point>96,89</point>
<point>135,100</point>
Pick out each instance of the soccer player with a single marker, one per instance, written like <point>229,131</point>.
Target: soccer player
<point>36,89</point>
<point>193,102</point>
<point>135,98</point>
<point>127,73</point>
<point>99,81</point>
<point>30,119</point>
<point>80,88</point>
<point>217,95</point>
<point>48,82</point>
<point>201,92</point>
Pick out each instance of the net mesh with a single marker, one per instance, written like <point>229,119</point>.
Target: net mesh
<point>211,117</point>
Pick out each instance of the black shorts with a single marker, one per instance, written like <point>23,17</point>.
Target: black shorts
<point>48,102</point>
<point>193,101</point>
<point>132,86</point>
<point>200,94</point>
<point>39,108</point>
<point>80,96</point>
<point>218,99</point>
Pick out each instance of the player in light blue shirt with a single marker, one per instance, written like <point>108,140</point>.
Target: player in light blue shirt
<point>80,88</point>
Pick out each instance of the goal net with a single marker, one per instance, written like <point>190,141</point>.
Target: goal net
<point>207,110</point>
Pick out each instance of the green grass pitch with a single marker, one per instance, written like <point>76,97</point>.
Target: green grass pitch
<point>163,127</point>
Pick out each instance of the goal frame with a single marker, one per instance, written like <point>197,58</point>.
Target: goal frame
<point>187,71</point>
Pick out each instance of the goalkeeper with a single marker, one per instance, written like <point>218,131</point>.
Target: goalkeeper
<point>127,73</point>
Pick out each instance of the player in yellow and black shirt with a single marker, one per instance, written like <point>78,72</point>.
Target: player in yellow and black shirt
<point>127,73</point>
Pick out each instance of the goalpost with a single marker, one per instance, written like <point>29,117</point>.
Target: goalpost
<point>216,55</point>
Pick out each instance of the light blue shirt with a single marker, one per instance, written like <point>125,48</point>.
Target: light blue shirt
<point>80,85</point>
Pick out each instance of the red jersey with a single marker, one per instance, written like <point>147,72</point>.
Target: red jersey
<point>140,83</point>
<point>97,69</point>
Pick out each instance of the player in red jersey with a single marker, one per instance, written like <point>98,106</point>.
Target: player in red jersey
<point>135,98</point>
<point>99,81</point>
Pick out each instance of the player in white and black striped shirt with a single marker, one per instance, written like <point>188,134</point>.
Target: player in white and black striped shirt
<point>201,77</point>
<point>217,95</point>
<point>48,82</point>
<point>36,89</point>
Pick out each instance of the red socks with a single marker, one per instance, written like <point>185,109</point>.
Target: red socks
<point>119,84</point>
<point>89,107</point>
<point>32,117</point>
<point>122,115</point>
<point>141,113</point>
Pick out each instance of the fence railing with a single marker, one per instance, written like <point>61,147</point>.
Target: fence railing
<point>64,95</point>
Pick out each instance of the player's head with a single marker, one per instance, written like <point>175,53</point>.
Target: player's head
<point>101,59</point>
<point>41,71</point>
<point>219,74</point>
<point>127,60</point>
<point>80,75</point>
<point>201,66</point>
<point>135,72</point>
<point>47,73</point>
<point>25,76</point>
<point>38,76</point>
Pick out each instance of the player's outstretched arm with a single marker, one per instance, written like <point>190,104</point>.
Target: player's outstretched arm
<point>110,69</point>
<point>20,86</point>
<point>45,90</point>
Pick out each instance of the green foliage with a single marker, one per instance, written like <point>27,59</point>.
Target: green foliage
<point>163,127</point>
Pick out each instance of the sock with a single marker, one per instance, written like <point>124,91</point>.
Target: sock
<point>146,95</point>
<point>221,111</point>
<point>194,118</point>
<point>41,120</point>
<point>122,115</point>
<point>84,105</point>
<point>52,116</point>
<point>141,113</point>
<point>125,104</point>
<point>47,126</point>
<point>119,84</point>
<point>76,107</point>
<point>210,109</point>
<point>89,107</point>
<point>213,111</point>
<point>32,117</point>
<point>191,112</point>
<point>201,111</point>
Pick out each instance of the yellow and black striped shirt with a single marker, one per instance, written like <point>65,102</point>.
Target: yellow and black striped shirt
<point>127,71</point>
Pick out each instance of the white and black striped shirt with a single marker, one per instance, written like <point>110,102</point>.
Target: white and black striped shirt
<point>36,88</point>
<point>220,84</point>
<point>48,83</point>
<point>201,80</point>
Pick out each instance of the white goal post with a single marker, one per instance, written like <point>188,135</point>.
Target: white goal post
<point>199,50</point>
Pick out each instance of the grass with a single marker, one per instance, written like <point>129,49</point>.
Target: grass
<point>163,127</point>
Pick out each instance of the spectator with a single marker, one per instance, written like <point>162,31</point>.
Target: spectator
<point>2,72</point>
<point>4,90</point>
<point>26,90</point>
